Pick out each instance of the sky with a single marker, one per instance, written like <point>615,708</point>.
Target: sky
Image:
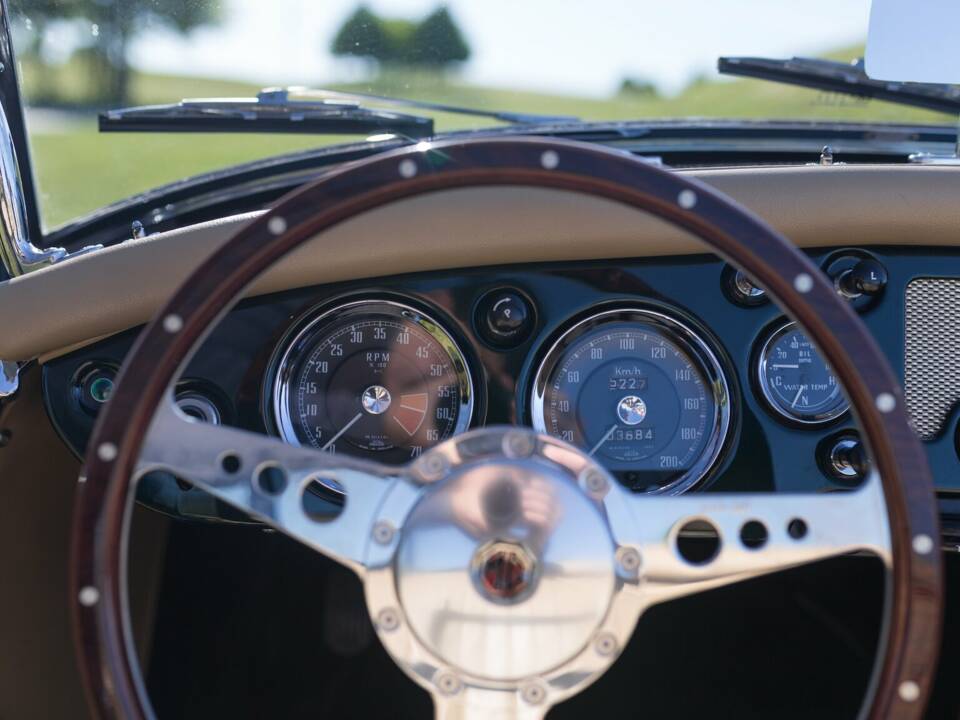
<point>558,46</point>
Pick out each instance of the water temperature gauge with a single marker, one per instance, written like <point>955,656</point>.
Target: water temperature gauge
<point>795,381</point>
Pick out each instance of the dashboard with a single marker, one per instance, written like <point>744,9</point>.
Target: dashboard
<point>675,372</point>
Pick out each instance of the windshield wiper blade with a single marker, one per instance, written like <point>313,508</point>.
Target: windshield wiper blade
<point>843,78</point>
<point>272,111</point>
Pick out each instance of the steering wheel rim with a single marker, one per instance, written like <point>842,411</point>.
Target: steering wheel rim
<point>903,679</point>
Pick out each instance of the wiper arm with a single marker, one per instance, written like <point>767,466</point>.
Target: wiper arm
<point>844,78</point>
<point>326,112</point>
<point>272,111</point>
<point>516,118</point>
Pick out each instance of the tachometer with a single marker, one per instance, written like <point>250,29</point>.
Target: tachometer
<point>640,391</point>
<point>372,378</point>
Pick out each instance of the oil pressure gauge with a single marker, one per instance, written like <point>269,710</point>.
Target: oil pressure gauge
<point>795,381</point>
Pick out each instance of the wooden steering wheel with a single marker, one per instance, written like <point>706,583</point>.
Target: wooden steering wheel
<point>586,565</point>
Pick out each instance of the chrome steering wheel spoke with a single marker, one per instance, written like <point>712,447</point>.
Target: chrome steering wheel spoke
<point>749,534</point>
<point>274,481</point>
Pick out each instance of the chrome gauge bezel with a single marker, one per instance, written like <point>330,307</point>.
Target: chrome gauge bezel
<point>687,338</point>
<point>769,399</point>
<point>296,341</point>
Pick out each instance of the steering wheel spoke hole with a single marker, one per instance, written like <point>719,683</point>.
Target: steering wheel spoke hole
<point>323,499</point>
<point>231,463</point>
<point>754,534</point>
<point>698,542</point>
<point>270,479</point>
<point>797,528</point>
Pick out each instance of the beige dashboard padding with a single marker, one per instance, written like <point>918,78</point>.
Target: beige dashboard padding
<point>815,206</point>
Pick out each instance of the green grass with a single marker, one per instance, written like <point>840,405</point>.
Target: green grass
<point>79,170</point>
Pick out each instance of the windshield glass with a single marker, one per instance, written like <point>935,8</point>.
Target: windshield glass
<point>615,61</point>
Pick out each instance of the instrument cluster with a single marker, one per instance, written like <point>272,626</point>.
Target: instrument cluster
<point>642,387</point>
<point>672,372</point>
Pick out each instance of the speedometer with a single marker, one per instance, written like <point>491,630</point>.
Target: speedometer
<point>372,378</point>
<point>640,391</point>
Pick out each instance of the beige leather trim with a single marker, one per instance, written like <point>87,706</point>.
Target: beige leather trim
<point>815,206</point>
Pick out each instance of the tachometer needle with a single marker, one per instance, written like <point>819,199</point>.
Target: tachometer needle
<point>346,427</point>
<point>606,436</point>
<point>799,393</point>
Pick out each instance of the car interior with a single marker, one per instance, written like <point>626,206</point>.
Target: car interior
<point>550,417</point>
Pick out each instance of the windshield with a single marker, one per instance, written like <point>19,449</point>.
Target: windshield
<point>615,61</point>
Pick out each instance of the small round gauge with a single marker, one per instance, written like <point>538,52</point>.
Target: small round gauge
<point>641,392</point>
<point>372,378</point>
<point>795,381</point>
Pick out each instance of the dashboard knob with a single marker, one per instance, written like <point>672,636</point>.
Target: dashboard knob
<point>848,459</point>
<point>867,277</point>
<point>505,318</point>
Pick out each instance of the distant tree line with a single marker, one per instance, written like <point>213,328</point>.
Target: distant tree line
<point>434,42</point>
<point>113,26</point>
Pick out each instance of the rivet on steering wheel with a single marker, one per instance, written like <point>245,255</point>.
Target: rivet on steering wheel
<point>173,323</point>
<point>533,693</point>
<point>519,444</point>
<point>383,532</point>
<point>605,644</point>
<point>629,561</point>
<point>594,482</point>
<point>277,225</point>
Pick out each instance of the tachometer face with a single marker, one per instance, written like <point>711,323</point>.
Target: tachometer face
<point>375,379</point>
<point>639,391</point>
<point>795,380</point>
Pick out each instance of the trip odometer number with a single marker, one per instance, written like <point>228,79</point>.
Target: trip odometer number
<point>372,378</point>
<point>639,391</point>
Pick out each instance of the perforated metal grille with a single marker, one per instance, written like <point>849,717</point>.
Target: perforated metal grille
<point>932,352</point>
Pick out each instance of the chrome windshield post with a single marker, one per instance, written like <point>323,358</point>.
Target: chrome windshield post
<point>18,253</point>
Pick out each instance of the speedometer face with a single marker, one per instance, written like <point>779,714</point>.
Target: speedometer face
<point>375,379</point>
<point>795,380</point>
<point>639,391</point>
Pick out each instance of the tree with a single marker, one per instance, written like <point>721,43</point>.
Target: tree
<point>115,24</point>
<point>437,41</point>
<point>362,35</point>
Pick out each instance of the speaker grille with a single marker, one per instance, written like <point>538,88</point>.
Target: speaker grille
<point>932,352</point>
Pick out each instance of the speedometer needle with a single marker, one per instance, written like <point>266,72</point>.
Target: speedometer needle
<point>605,437</point>
<point>346,427</point>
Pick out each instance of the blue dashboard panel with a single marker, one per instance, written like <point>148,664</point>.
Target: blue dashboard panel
<point>762,450</point>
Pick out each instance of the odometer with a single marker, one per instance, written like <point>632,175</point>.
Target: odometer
<point>640,391</point>
<point>372,378</point>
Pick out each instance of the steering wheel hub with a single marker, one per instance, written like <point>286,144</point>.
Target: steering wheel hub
<point>506,568</point>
